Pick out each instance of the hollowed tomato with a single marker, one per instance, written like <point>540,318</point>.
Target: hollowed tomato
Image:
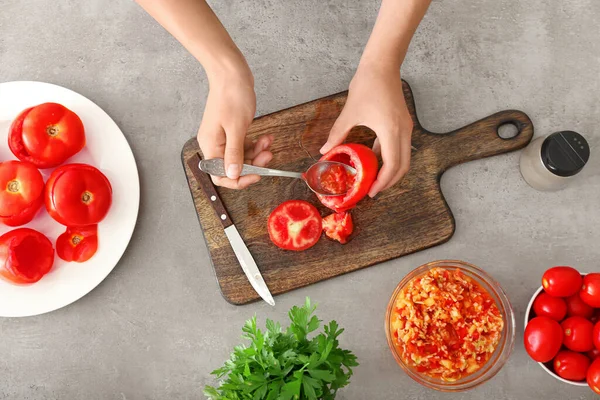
<point>26,255</point>
<point>78,244</point>
<point>21,192</point>
<point>295,225</point>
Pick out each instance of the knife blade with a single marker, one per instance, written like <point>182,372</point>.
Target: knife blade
<point>240,249</point>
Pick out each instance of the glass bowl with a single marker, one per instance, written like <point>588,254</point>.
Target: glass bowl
<point>503,349</point>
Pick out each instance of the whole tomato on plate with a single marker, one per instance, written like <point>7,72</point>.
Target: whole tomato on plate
<point>78,195</point>
<point>26,255</point>
<point>46,135</point>
<point>593,376</point>
<point>78,244</point>
<point>365,162</point>
<point>21,192</point>
<point>338,226</point>
<point>295,225</point>
<point>561,281</point>
<point>570,365</point>
<point>578,334</point>
<point>590,291</point>
<point>548,306</point>
<point>576,307</point>
<point>543,338</point>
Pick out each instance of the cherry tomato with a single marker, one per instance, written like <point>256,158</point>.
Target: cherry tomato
<point>338,226</point>
<point>578,334</point>
<point>596,317</point>
<point>593,353</point>
<point>46,135</point>
<point>362,159</point>
<point>295,225</point>
<point>21,192</point>
<point>25,255</point>
<point>590,291</point>
<point>78,195</point>
<point>576,307</point>
<point>543,338</point>
<point>561,281</point>
<point>548,306</point>
<point>78,244</point>
<point>593,376</point>
<point>570,365</point>
<point>596,335</point>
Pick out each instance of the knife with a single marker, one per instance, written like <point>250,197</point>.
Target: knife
<point>239,247</point>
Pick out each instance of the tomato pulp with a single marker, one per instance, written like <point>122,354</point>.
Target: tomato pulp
<point>295,225</point>
<point>46,135</point>
<point>78,195</point>
<point>364,161</point>
<point>26,255</point>
<point>21,192</point>
<point>78,244</point>
<point>338,226</point>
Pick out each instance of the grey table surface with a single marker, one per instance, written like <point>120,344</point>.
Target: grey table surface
<point>157,326</point>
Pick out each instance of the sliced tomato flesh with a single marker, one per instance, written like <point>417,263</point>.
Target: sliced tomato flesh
<point>295,225</point>
<point>26,255</point>
<point>78,244</point>
<point>338,226</point>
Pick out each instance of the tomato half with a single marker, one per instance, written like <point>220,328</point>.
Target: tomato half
<point>78,195</point>
<point>590,291</point>
<point>543,338</point>
<point>570,365</point>
<point>26,255</point>
<point>578,334</point>
<point>548,306</point>
<point>365,162</point>
<point>338,226</point>
<point>295,225</point>
<point>596,336</point>
<point>593,376</point>
<point>46,135</point>
<point>561,281</point>
<point>576,307</point>
<point>78,244</point>
<point>21,192</point>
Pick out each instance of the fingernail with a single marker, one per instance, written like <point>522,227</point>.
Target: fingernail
<point>233,171</point>
<point>324,149</point>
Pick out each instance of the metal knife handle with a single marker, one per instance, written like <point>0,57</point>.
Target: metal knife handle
<point>216,167</point>
<point>210,191</point>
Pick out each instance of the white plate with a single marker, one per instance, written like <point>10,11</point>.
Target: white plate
<point>106,149</point>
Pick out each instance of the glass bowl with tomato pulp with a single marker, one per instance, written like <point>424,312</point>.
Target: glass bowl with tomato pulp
<point>450,326</point>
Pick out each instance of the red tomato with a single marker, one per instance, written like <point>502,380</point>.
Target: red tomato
<point>78,195</point>
<point>578,334</point>
<point>338,226</point>
<point>21,192</point>
<point>561,281</point>
<point>596,335</point>
<point>593,353</point>
<point>543,338</point>
<point>295,225</point>
<point>78,244</point>
<point>576,307</point>
<point>593,376</point>
<point>570,365</point>
<point>46,135</point>
<point>362,159</point>
<point>590,291</point>
<point>547,306</point>
<point>25,255</point>
<point>596,317</point>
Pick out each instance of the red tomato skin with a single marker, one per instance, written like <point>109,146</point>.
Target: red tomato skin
<point>593,376</point>
<point>561,281</point>
<point>26,256</point>
<point>65,191</point>
<point>338,226</point>
<point>593,353</point>
<point>596,336</point>
<point>570,365</point>
<point>295,225</point>
<point>364,160</point>
<point>25,216</point>
<point>21,192</point>
<point>577,307</point>
<point>590,291</point>
<point>548,306</point>
<point>77,244</point>
<point>578,334</point>
<point>543,338</point>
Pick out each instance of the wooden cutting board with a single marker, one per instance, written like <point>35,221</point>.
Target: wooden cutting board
<point>409,217</point>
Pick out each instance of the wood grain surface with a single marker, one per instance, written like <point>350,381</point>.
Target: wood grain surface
<point>409,217</point>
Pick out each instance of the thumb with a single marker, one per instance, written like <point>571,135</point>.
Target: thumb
<point>234,152</point>
<point>338,132</point>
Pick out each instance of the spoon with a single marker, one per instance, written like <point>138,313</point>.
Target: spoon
<point>312,177</point>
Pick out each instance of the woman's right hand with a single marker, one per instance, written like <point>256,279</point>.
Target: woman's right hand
<point>229,111</point>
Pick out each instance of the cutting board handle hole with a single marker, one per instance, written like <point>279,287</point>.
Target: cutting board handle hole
<point>508,130</point>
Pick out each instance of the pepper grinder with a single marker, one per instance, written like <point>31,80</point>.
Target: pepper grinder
<point>550,163</point>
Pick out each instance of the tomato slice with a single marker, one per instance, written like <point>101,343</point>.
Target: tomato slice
<point>78,195</point>
<point>46,135</point>
<point>338,226</point>
<point>21,192</point>
<point>295,225</point>
<point>26,255</point>
<point>78,244</point>
<point>365,162</point>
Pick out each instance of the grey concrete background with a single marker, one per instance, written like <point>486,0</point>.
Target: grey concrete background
<point>157,326</point>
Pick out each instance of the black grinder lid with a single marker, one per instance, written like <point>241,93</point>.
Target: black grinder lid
<point>565,153</point>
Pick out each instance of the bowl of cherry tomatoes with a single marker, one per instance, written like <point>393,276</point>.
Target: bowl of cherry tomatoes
<point>562,326</point>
